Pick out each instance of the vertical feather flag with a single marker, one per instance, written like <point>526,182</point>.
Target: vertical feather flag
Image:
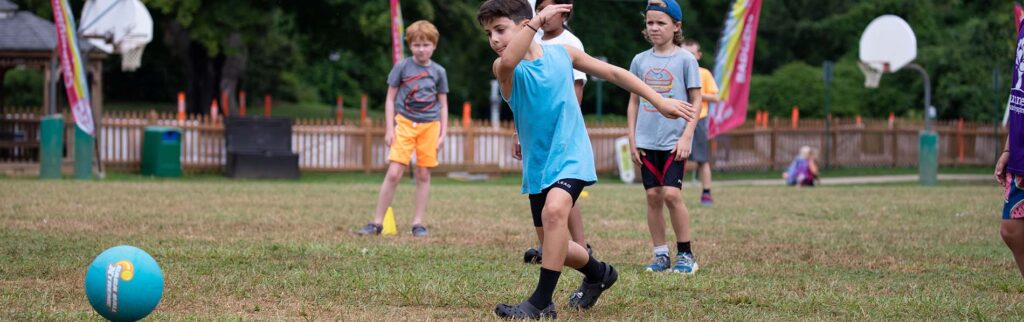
<point>397,33</point>
<point>71,65</point>
<point>733,65</point>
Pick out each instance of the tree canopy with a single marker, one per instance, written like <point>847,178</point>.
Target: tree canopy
<point>285,48</point>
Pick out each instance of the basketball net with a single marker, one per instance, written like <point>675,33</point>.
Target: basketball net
<point>872,75</point>
<point>131,58</point>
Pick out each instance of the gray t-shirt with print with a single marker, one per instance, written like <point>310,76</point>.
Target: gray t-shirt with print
<point>418,87</point>
<point>669,75</point>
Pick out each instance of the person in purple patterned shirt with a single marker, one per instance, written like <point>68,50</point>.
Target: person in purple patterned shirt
<point>1010,167</point>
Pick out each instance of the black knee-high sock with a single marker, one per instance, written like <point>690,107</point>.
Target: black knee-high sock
<point>541,297</point>
<point>593,271</point>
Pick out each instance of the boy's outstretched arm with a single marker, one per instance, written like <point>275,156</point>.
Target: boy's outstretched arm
<point>670,108</point>
<point>505,66</point>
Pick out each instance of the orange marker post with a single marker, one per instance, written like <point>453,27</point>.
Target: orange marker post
<point>241,103</point>
<point>266,105</point>
<point>339,112</point>
<point>796,117</point>
<point>765,119</point>
<point>467,114</point>
<point>181,107</point>
<point>858,120</point>
<point>225,105</point>
<point>892,120</point>
<point>213,110</point>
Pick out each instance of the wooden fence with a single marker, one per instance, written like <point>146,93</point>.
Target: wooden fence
<point>329,145</point>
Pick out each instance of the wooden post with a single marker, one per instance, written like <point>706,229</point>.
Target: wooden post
<point>367,139</point>
<point>362,108</point>
<point>796,117</point>
<point>339,112</point>
<point>771,153</point>
<point>764,119</point>
<point>151,117</point>
<point>467,125</point>
<point>266,105</point>
<point>960,140</point>
<point>181,108</point>
<point>895,141</point>
<point>241,103</point>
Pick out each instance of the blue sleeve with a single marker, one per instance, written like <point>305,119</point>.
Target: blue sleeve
<point>442,80</point>
<point>692,73</point>
<point>395,76</point>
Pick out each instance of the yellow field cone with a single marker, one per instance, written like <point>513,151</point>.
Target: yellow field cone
<point>584,194</point>
<point>389,223</point>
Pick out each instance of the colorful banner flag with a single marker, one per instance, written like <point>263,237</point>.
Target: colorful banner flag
<point>733,64</point>
<point>71,65</point>
<point>397,33</point>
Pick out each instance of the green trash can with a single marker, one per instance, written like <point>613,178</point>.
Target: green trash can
<point>51,146</point>
<point>161,151</point>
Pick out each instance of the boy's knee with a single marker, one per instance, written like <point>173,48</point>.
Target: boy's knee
<point>655,195</point>
<point>393,177</point>
<point>422,175</point>
<point>555,215</point>
<point>672,196</point>
<point>1011,231</point>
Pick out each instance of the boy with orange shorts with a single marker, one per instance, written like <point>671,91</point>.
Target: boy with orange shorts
<point>418,92</point>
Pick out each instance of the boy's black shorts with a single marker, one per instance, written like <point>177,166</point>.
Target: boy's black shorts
<point>659,169</point>
<point>573,186</point>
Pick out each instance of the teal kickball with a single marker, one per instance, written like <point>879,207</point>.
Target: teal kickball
<point>124,283</point>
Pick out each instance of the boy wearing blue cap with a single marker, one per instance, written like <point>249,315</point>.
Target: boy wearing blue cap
<point>558,161</point>
<point>661,145</point>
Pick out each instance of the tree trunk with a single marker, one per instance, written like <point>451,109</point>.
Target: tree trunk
<point>235,57</point>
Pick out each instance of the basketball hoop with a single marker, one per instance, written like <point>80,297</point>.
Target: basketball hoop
<point>131,58</point>
<point>872,75</point>
<point>118,26</point>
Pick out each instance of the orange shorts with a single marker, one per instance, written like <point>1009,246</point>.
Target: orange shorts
<point>410,136</point>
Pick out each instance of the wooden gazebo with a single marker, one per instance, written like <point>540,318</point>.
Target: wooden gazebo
<point>30,41</point>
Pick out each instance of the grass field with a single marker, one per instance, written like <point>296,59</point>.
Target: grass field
<point>285,250</point>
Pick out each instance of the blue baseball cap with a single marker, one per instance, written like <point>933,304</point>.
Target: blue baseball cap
<point>671,8</point>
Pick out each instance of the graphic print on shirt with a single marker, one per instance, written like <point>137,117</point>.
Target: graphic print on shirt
<point>661,80</point>
<point>422,93</point>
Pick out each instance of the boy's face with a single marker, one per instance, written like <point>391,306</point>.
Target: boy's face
<point>660,27</point>
<point>693,49</point>
<point>422,50</point>
<point>500,32</point>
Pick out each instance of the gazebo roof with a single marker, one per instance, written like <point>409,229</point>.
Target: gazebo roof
<point>24,31</point>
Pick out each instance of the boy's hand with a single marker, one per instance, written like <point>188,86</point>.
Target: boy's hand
<point>517,149</point>
<point>673,108</point>
<point>635,153</point>
<point>1001,168</point>
<point>551,11</point>
<point>682,149</point>
<point>440,141</point>
<point>389,136</point>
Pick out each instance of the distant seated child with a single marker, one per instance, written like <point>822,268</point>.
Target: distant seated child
<point>803,171</point>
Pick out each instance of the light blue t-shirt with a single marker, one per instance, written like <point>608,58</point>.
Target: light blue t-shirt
<point>669,75</point>
<point>550,124</point>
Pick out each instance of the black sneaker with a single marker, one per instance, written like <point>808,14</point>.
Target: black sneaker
<point>532,255</point>
<point>590,250</point>
<point>419,231</point>
<point>525,310</point>
<point>587,294</point>
<point>370,229</point>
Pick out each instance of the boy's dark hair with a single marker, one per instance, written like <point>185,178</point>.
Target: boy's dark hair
<point>568,16</point>
<point>516,10</point>
<point>690,42</point>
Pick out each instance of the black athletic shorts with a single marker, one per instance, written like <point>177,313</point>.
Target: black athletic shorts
<point>659,169</point>
<point>573,186</point>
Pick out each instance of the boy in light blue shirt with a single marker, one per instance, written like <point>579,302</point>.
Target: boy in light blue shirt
<point>558,159</point>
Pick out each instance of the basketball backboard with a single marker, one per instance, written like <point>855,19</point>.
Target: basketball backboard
<point>887,44</point>
<point>121,26</point>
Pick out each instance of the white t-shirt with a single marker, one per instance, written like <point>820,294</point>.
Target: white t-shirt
<point>566,38</point>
